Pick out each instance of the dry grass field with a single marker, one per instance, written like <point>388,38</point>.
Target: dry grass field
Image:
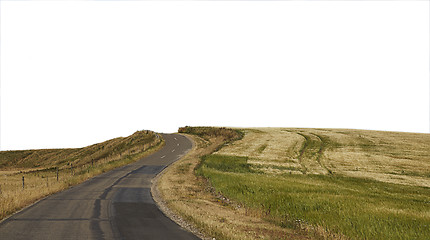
<point>392,157</point>
<point>39,168</point>
<point>194,202</point>
<point>289,183</point>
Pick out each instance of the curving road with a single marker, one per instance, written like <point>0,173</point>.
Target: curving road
<point>114,205</point>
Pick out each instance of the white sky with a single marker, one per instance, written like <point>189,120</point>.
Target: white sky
<point>76,73</point>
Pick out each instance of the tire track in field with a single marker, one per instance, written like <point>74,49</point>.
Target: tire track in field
<point>311,152</point>
<point>323,146</point>
<point>302,152</point>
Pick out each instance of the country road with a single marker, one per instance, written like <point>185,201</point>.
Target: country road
<point>114,205</point>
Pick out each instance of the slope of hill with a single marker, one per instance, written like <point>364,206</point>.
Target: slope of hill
<point>392,157</point>
<point>28,175</point>
<point>314,183</point>
<point>47,158</point>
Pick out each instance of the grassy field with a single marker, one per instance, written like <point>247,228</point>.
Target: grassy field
<point>192,202</point>
<point>39,168</point>
<point>330,183</point>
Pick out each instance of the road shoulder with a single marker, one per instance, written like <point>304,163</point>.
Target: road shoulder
<point>162,203</point>
<point>192,203</point>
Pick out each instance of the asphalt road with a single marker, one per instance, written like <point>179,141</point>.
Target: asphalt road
<point>113,205</point>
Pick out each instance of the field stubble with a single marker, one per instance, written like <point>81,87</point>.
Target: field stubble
<point>351,183</point>
<point>192,198</point>
<point>303,184</point>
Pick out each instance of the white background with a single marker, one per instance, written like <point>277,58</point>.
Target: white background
<point>76,73</point>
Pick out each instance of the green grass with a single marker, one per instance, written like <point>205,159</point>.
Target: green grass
<point>227,163</point>
<point>355,207</point>
<point>282,168</point>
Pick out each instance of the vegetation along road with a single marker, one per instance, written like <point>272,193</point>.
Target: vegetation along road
<point>297,183</point>
<point>114,205</point>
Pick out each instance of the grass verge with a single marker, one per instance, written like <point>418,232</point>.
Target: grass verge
<point>192,199</point>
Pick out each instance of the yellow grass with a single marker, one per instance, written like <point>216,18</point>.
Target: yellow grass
<point>393,157</point>
<point>390,157</point>
<point>193,200</point>
<point>41,179</point>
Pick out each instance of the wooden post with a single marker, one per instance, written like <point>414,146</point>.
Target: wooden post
<point>57,174</point>
<point>71,168</point>
<point>23,182</point>
<point>47,183</point>
<point>92,162</point>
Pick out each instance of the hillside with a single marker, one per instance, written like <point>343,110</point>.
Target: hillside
<point>48,158</point>
<point>28,175</point>
<point>393,157</point>
<point>290,183</point>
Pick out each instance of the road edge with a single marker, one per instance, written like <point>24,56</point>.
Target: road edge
<point>162,205</point>
<point>147,153</point>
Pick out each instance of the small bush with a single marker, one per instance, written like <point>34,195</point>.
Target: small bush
<point>227,134</point>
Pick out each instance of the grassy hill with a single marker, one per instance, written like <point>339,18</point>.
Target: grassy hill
<point>329,183</point>
<point>47,158</point>
<point>392,157</point>
<point>40,168</point>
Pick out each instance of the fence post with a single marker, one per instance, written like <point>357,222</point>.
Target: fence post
<point>71,168</point>
<point>22,182</point>
<point>92,162</point>
<point>57,174</point>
